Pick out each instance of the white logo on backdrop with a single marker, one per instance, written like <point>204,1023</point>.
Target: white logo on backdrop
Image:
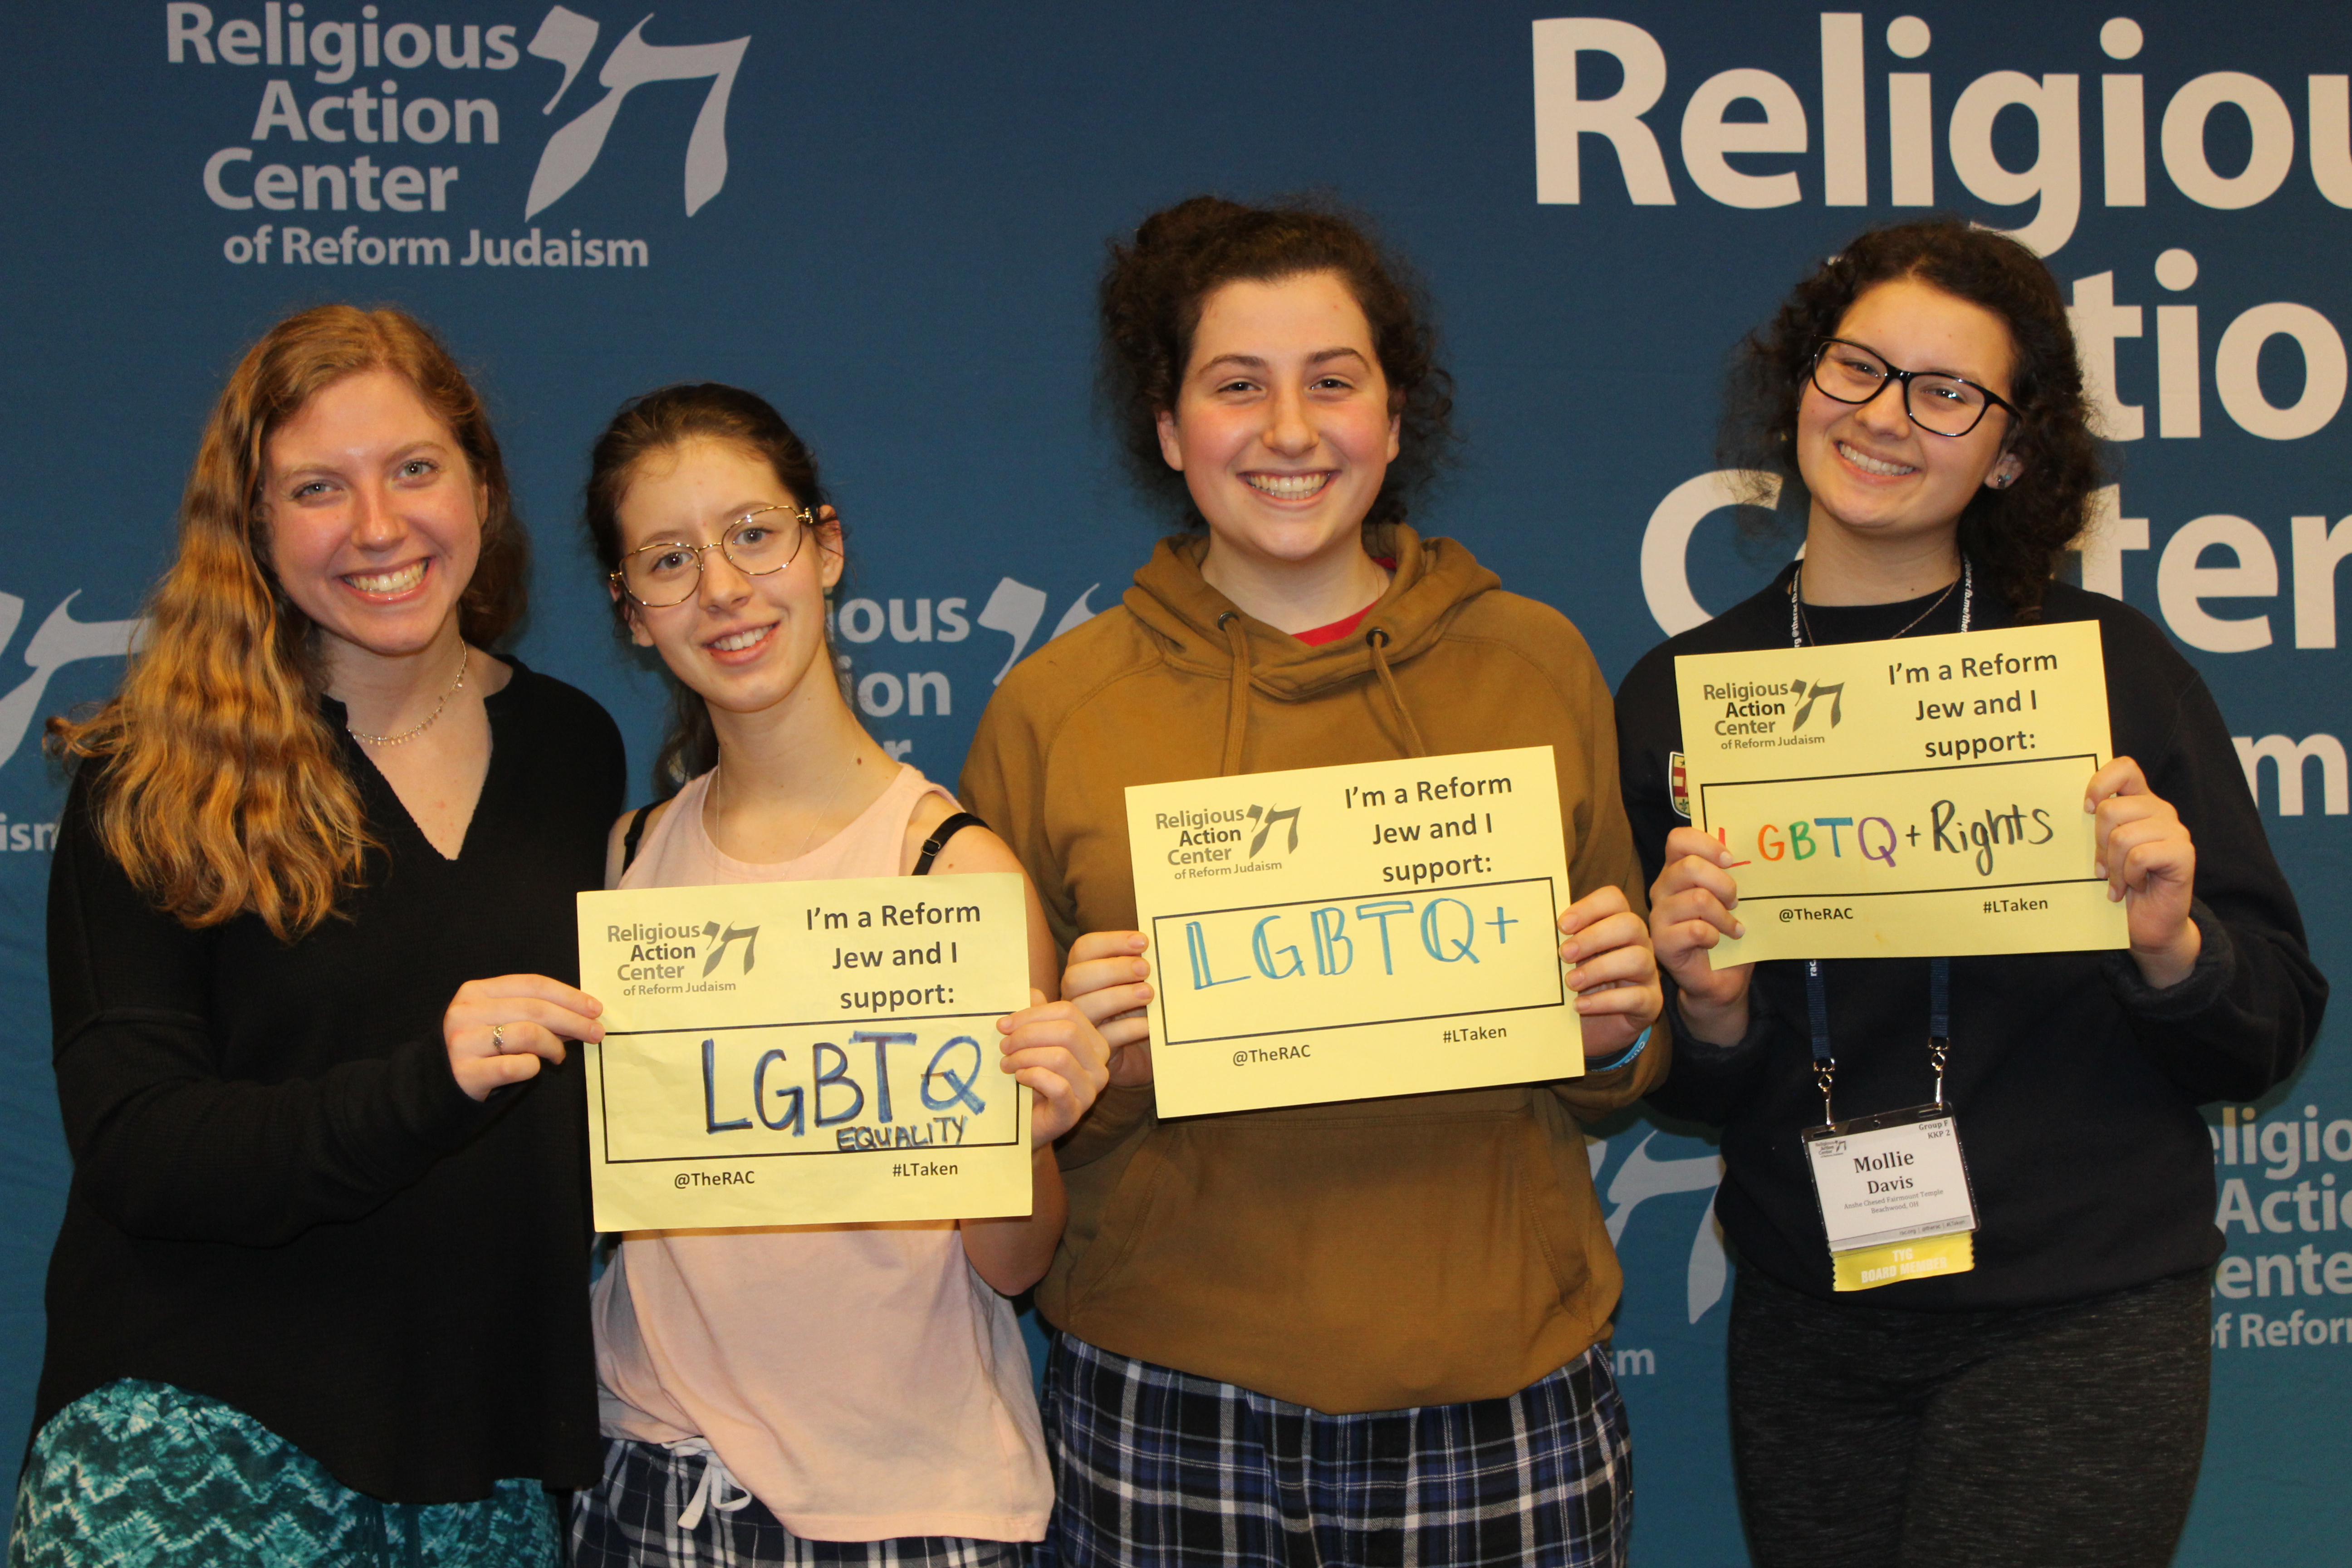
<point>1015,609</point>
<point>1630,128</point>
<point>365,146</point>
<point>1640,1177</point>
<point>60,640</point>
<point>569,38</point>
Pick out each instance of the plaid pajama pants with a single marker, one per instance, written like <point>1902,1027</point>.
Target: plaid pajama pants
<point>642,1514</point>
<point>1157,1468</point>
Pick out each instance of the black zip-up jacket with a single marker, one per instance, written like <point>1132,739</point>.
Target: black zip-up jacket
<point>2076,1084</point>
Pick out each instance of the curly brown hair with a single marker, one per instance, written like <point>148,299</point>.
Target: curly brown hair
<point>2017,535</point>
<point>1155,287</point>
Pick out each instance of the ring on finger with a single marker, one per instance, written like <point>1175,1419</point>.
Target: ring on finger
<point>499,1036</point>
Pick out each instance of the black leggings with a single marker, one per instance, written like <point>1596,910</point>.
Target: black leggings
<point>2045,1437</point>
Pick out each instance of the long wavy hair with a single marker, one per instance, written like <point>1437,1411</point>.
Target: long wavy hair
<point>2017,535</point>
<point>223,788</point>
<point>1154,289</point>
<point>662,421</point>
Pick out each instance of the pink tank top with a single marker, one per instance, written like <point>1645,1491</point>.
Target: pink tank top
<point>861,1381</point>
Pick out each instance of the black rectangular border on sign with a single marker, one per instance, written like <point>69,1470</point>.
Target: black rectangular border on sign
<point>2091,757</point>
<point>604,1100</point>
<point>1160,998</point>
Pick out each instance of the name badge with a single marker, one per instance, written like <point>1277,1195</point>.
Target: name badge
<point>1893,1193</point>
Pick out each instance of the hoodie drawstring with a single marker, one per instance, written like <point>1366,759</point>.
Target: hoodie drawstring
<point>1237,697</point>
<point>1377,640</point>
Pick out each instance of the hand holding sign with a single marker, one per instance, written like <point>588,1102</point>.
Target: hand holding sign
<point>1108,979</point>
<point>497,1031</point>
<point>1610,968</point>
<point>1691,909</point>
<point>1054,1049</point>
<point>2151,865</point>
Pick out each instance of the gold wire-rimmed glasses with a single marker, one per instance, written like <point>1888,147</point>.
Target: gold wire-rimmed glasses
<point>667,571</point>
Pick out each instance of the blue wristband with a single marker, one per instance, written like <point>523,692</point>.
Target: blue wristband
<point>1633,1053</point>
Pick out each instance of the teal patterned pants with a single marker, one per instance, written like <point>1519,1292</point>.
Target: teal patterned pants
<point>143,1475</point>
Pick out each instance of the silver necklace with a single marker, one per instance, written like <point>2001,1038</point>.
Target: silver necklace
<point>1800,629</point>
<point>464,659</point>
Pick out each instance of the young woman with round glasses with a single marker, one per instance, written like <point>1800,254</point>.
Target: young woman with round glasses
<point>1919,395</point>
<point>825,1394</point>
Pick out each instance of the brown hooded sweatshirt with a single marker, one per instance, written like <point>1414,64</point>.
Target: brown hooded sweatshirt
<point>1371,1255</point>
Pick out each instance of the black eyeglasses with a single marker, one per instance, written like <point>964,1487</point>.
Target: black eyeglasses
<point>1939,403</point>
<point>762,541</point>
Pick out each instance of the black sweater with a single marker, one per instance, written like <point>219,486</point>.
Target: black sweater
<point>280,1197</point>
<point>2076,1084</point>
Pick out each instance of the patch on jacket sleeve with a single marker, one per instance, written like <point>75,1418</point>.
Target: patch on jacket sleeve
<point>1678,784</point>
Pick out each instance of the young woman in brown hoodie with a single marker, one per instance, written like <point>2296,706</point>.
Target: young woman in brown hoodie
<point>1378,1325</point>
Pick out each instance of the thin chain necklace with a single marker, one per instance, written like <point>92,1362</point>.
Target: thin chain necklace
<point>1798,618</point>
<point>464,658</point>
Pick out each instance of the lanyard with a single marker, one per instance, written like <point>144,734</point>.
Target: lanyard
<point>1940,970</point>
<point>1939,1027</point>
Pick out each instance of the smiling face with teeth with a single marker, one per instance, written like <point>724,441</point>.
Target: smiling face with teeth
<point>1283,431</point>
<point>374,519</point>
<point>1884,491</point>
<point>743,643</point>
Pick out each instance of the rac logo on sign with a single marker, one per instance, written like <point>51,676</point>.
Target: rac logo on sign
<point>748,935</point>
<point>1265,817</point>
<point>1836,694</point>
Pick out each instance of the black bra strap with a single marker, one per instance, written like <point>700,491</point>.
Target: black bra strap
<point>938,840</point>
<point>629,839</point>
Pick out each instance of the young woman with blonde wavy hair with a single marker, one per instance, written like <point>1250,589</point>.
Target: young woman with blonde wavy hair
<point>318,1292</point>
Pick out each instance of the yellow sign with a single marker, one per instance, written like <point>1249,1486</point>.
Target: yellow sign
<point>1916,798</point>
<point>1343,933</point>
<point>805,1053</point>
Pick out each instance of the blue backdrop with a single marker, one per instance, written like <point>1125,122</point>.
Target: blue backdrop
<point>889,217</point>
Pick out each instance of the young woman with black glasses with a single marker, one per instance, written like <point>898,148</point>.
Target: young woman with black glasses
<point>1920,395</point>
